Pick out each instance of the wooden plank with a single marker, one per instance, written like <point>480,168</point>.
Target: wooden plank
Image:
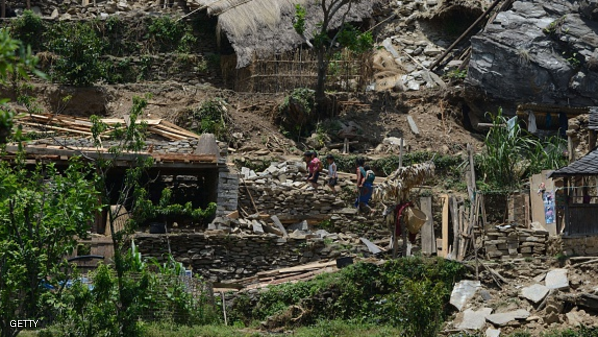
<point>439,247</point>
<point>55,128</point>
<point>427,232</point>
<point>178,131</point>
<point>445,226</point>
<point>181,130</point>
<point>165,134</point>
<point>455,220</point>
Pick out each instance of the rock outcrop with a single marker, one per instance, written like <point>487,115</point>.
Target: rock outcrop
<point>539,51</point>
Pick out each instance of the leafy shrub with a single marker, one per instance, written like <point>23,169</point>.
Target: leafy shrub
<point>212,117</point>
<point>297,115</point>
<point>169,35</point>
<point>163,295</point>
<point>419,307</point>
<point>363,291</point>
<point>80,49</point>
<point>28,28</point>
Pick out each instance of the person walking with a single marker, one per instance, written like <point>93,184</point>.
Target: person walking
<point>314,167</point>
<point>332,173</point>
<point>365,186</point>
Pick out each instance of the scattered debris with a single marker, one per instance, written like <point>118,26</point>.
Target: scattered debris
<point>463,292</point>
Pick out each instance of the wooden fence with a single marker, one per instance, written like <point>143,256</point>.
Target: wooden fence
<point>347,71</point>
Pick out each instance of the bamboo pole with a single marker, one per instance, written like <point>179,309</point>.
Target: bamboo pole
<point>473,25</point>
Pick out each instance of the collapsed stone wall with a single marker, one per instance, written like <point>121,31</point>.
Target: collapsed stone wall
<point>280,190</point>
<point>227,257</point>
<point>512,242</point>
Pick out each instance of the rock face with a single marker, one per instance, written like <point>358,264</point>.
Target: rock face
<point>541,51</point>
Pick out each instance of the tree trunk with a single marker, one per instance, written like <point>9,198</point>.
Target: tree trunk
<point>3,9</point>
<point>322,71</point>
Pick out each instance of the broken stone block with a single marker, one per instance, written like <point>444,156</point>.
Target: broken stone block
<point>557,279</point>
<point>491,332</point>
<point>535,293</point>
<point>463,292</point>
<point>257,227</point>
<point>504,318</point>
<point>474,320</point>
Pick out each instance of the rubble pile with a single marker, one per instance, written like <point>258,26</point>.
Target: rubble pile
<point>413,44</point>
<point>282,189</point>
<point>507,242</point>
<point>534,296</point>
<point>90,9</point>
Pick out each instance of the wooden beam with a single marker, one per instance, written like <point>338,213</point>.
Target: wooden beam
<point>427,232</point>
<point>445,226</point>
<point>464,35</point>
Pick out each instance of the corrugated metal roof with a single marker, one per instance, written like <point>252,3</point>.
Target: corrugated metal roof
<point>587,166</point>
<point>593,118</point>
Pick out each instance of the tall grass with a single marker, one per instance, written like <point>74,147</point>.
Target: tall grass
<point>512,154</point>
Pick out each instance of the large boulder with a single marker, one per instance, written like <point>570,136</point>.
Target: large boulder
<point>541,51</point>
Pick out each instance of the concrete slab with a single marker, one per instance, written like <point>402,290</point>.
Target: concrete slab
<point>372,247</point>
<point>504,318</point>
<point>463,292</point>
<point>557,279</point>
<point>474,320</point>
<point>535,293</point>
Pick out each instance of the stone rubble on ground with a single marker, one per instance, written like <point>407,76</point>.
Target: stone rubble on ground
<point>463,292</point>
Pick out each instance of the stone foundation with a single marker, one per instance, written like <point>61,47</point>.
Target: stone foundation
<point>514,243</point>
<point>582,245</point>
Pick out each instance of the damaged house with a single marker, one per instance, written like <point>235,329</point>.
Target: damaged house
<point>259,44</point>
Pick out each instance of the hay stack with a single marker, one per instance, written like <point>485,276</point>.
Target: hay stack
<point>395,188</point>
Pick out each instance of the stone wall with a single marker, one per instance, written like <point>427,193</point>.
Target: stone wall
<point>582,245</point>
<point>227,257</point>
<point>511,242</point>
<point>228,191</point>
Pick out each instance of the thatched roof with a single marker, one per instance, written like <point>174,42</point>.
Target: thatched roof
<point>265,27</point>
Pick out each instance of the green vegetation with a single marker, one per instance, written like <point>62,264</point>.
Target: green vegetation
<point>41,213</point>
<point>159,295</point>
<point>165,208</point>
<point>512,155</point>
<point>363,292</point>
<point>325,45</point>
<point>80,63</point>
<point>296,115</point>
<point>106,50</point>
<point>168,34</point>
<point>212,117</point>
<point>28,28</point>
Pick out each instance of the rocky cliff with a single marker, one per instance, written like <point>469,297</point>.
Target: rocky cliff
<point>541,51</point>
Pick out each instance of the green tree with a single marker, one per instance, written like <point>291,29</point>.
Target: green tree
<point>42,211</point>
<point>15,63</point>
<point>325,45</point>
